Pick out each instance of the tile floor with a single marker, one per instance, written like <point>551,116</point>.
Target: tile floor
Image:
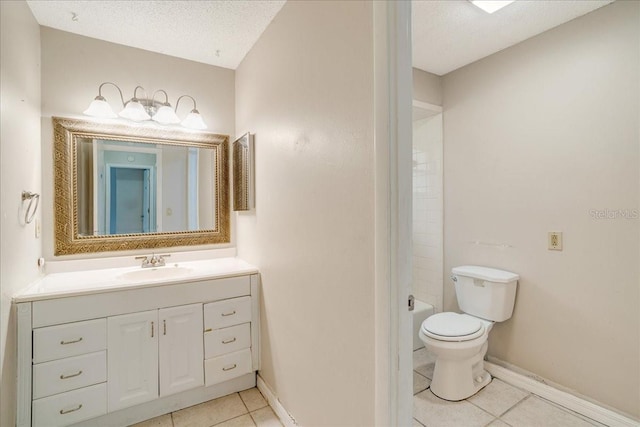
<point>497,405</point>
<point>245,409</point>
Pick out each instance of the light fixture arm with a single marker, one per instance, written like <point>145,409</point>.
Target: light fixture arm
<point>101,98</point>
<point>135,98</point>
<point>166,97</point>
<point>195,108</point>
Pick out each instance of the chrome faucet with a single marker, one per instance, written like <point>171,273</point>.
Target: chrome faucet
<point>154,261</point>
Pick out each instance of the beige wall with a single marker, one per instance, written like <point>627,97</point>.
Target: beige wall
<point>20,170</point>
<point>536,136</point>
<point>427,87</point>
<point>74,66</point>
<point>309,100</point>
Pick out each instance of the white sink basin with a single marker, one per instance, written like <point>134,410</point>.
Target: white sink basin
<point>158,273</point>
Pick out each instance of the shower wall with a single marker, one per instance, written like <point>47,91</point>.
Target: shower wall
<point>428,210</point>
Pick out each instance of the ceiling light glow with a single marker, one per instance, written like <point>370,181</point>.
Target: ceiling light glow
<point>491,6</point>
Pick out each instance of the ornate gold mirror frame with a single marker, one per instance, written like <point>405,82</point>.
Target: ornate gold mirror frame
<point>68,240</point>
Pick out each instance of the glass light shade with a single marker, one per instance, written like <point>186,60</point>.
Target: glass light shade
<point>194,121</point>
<point>165,115</point>
<point>491,6</point>
<point>100,108</point>
<point>134,111</point>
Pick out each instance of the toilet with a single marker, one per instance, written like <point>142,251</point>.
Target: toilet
<point>459,341</point>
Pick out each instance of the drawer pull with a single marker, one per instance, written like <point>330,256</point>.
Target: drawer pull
<point>164,325</point>
<point>229,314</point>
<point>65,377</point>
<point>70,342</point>
<point>229,341</point>
<point>230,367</point>
<point>151,329</point>
<point>66,411</point>
<point>208,330</point>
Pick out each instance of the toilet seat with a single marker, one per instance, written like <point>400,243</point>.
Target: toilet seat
<point>452,327</point>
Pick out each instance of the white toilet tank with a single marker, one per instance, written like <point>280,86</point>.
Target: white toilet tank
<point>485,292</point>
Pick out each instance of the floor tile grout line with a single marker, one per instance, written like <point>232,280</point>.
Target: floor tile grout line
<point>527,397</point>
<point>416,420</point>
<point>501,414</point>
<point>243,402</point>
<point>569,411</point>
<point>489,423</point>
<point>230,419</point>
<point>482,409</point>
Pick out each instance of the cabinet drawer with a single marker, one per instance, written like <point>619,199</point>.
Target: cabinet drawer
<point>69,374</point>
<point>70,339</point>
<point>222,314</point>
<point>226,367</point>
<point>226,340</point>
<point>70,407</point>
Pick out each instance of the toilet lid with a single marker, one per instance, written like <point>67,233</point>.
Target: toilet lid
<point>452,327</point>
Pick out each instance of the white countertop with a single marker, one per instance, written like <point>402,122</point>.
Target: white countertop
<point>68,284</point>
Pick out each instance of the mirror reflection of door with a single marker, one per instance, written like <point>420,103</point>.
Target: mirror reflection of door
<point>130,200</point>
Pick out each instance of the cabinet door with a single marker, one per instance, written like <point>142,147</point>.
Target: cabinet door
<point>181,348</point>
<point>132,359</point>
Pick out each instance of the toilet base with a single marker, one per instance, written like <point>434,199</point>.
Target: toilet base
<point>456,380</point>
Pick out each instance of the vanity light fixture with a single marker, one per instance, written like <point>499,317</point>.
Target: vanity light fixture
<point>142,109</point>
<point>491,6</point>
<point>193,119</point>
<point>133,109</point>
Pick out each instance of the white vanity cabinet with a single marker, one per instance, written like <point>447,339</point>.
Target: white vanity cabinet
<point>154,353</point>
<point>133,359</point>
<point>117,357</point>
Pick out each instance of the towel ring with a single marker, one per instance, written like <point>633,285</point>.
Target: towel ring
<point>28,215</point>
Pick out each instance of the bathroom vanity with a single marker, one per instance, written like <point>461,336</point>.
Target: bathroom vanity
<point>118,346</point>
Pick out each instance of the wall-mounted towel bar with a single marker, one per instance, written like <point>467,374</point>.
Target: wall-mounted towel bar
<point>30,213</point>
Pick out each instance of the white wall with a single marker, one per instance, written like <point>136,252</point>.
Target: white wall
<point>427,87</point>
<point>309,100</point>
<point>536,136</point>
<point>73,67</point>
<point>20,170</point>
<point>427,211</point>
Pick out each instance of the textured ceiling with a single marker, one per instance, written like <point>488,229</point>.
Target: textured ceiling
<point>449,34</point>
<point>214,32</point>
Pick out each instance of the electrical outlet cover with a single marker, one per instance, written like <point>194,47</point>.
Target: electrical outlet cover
<point>555,240</point>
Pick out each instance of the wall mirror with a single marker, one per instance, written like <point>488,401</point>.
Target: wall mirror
<point>243,176</point>
<point>124,187</point>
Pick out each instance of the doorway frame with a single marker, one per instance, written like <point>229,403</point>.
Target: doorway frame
<point>151,170</point>
<point>393,100</point>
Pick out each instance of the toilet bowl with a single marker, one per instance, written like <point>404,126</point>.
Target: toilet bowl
<point>459,341</point>
<point>459,370</point>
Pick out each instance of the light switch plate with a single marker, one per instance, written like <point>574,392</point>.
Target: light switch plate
<point>555,240</point>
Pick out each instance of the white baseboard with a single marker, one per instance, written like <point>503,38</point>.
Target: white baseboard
<point>562,398</point>
<point>286,418</point>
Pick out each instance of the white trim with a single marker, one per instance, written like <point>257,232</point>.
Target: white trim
<point>285,417</point>
<point>393,196</point>
<point>23,386</point>
<point>562,398</point>
<point>427,106</point>
<point>385,372</point>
